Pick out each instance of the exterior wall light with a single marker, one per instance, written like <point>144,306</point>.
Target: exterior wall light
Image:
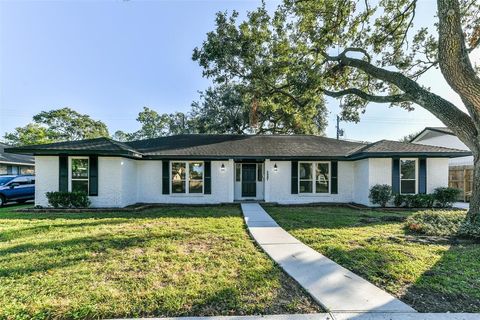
<point>275,168</point>
<point>222,167</point>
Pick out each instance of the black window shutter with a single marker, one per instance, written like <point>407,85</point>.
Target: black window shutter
<point>63,173</point>
<point>334,177</point>
<point>396,175</point>
<point>93,178</point>
<point>294,177</point>
<point>422,176</point>
<point>207,188</point>
<point>165,177</point>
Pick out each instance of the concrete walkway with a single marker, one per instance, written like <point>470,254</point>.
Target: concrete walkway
<point>332,286</point>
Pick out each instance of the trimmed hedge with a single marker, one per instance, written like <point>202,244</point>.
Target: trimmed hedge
<point>60,199</point>
<point>441,197</point>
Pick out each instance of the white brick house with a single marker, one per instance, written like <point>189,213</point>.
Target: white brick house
<point>200,169</point>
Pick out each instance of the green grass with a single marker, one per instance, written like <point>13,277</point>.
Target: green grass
<point>431,276</point>
<point>163,262</point>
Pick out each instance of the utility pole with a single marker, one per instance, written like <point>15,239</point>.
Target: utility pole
<point>340,132</point>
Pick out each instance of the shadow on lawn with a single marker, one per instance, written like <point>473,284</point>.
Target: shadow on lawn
<point>9,235</point>
<point>332,217</point>
<point>59,254</point>
<point>451,285</point>
<point>186,211</point>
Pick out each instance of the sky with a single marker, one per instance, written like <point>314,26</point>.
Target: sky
<point>109,59</point>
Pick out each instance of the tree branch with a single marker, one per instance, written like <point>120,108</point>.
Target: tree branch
<point>367,96</point>
<point>461,124</point>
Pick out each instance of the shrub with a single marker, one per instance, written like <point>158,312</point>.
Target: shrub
<point>60,199</point>
<point>414,200</point>
<point>470,230</point>
<point>398,200</point>
<point>445,196</point>
<point>422,200</point>
<point>408,199</point>
<point>79,199</point>
<point>380,194</point>
<point>436,223</point>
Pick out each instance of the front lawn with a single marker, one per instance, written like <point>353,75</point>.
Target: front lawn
<point>163,262</point>
<point>428,273</point>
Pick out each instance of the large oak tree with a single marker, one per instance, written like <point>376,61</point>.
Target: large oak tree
<point>358,50</point>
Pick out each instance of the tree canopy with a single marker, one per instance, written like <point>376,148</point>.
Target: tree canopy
<point>57,125</point>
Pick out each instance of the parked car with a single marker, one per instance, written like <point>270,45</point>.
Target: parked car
<point>16,188</point>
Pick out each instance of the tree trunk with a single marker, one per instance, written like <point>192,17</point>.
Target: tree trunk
<point>474,212</point>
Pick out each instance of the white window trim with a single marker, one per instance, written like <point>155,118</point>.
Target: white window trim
<point>70,173</point>
<point>416,175</point>
<point>314,178</point>
<point>187,178</point>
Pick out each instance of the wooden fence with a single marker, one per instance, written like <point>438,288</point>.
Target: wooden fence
<point>461,177</point>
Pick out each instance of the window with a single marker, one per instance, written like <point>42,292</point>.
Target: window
<point>195,182</point>
<point>305,177</point>
<point>314,177</point>
<point>13,170</point>
<point>79,174</point>
<point>191,172</point>
<point>322,180</point>
<point>408,176</point>
<point>238,172</point>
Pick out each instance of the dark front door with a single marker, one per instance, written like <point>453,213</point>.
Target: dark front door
<point>249,180</point>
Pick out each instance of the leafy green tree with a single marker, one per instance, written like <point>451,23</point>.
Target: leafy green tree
<point>155,125</point>
<point>57,125</point>
<point>361,50</point>
<point>221,110</point>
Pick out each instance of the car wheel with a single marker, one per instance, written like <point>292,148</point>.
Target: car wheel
<point>2,201</point>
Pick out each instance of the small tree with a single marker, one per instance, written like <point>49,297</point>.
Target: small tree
<point>380,194</point>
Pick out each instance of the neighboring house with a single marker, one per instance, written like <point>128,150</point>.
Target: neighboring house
<point>15,163</point>
<point>227,168</point>
<point>460,169</point>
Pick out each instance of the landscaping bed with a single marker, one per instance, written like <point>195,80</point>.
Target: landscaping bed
<point>430,273</point>
<point>170,261</point>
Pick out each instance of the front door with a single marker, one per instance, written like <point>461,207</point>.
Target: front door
<point>249,180</point>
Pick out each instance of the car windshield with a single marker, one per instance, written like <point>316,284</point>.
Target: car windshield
<point>4,180</point>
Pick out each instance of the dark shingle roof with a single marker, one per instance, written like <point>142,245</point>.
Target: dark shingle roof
<point>245,146</point>
<point>88,146</point>
<point>386,147</point>
<point>207,146</point>
<point>14,158</point>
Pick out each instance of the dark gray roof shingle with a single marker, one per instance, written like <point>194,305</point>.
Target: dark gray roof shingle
<point>397,147</point>
<point>245,146</point>
<point>14,158</point>
<point>239,146</point>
